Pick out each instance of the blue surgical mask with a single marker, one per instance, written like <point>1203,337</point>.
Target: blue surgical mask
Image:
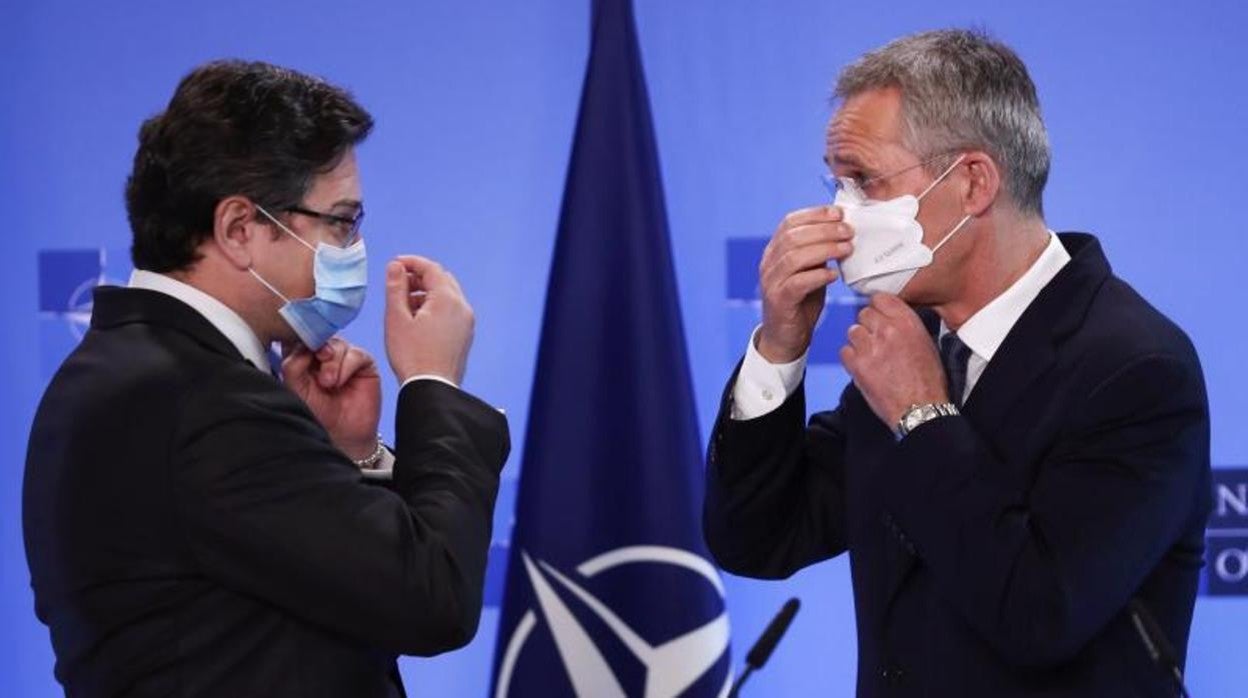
<point>341,275</point>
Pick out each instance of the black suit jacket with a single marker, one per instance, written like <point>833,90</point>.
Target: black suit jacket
<point>993,554</point>
<point>192,531</point>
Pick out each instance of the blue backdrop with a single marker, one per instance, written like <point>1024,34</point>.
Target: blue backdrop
<point>475,103</point>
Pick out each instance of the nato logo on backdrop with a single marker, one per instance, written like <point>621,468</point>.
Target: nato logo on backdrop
<point>66,280</point>
<point>1226,539</point>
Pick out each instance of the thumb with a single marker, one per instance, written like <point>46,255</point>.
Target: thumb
<point>297,364</point>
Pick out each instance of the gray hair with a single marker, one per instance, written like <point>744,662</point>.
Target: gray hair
<point>962,89</point>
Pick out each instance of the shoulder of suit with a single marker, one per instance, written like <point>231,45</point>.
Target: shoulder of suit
<point>172,361</point>
<point>1122,326</point>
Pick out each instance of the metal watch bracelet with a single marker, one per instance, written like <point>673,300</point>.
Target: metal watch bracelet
<point>922,413</point>
<point>373,458</point>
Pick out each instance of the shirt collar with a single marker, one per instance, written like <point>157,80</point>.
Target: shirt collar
<point>227,322</point>
<point>984,331</point>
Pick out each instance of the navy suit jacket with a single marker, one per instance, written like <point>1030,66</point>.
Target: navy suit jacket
<point>994,553</point>
<point>192,531</point>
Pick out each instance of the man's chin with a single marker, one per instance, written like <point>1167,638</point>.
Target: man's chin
<point>919,298</point>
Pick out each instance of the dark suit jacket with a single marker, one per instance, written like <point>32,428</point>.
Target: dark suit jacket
<point>192,531</point>
<point>993,553</point>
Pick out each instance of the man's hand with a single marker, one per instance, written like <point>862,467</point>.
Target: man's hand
<point>893,360</point>
<point>793,275</point>
<point>429,323</point>
<point>341,386</point>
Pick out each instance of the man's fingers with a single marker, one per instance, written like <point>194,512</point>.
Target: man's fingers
<point>890,305</point>
<point>809,257</point>
<point>796,287</point>
<point>298,362</point>
<point>849,359</point>
<point>814,214</point>
<point>813,233</point>
<point>416,299</point>
<point>398,290</point>
<point>787,240</point>
<point>341,363</point>
<point>332,350</point>
<point>355,363</point>
<point>870,318</point>
<point>425,274</point>
<point>329,362</point>
<point>415,264</point>
<point>858,336</point>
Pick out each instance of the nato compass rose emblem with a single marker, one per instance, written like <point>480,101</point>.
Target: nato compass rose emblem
<point>67,279</point>
<point>670,665</point>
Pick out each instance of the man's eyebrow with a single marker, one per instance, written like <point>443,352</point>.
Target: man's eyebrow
<point>846,160</point>
<point>348,203</point>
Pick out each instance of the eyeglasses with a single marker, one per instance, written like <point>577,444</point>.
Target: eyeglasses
<point>346,229</point>
<point>858,186</point>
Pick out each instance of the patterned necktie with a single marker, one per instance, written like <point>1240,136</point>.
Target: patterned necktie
<point>954,355</point>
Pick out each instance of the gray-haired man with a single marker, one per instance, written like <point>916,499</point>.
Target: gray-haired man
<point>1015,460</point>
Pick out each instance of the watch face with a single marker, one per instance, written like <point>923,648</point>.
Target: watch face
<point>912,419</point>
<point>917,416</point>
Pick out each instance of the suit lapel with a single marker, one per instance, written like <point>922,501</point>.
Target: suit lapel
<point>1030,348</point>
<point>898,558</point>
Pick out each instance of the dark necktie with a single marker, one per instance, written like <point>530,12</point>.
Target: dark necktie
<point>954,355</point>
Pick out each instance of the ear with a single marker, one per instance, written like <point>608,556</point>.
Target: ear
<point>983,182</point>
<point>235,225</point>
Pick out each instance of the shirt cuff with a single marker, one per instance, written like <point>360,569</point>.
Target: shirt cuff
<point>428,377</point>
<point>763,386</point>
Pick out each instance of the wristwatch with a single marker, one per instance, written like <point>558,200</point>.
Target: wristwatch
<point>918,414</point>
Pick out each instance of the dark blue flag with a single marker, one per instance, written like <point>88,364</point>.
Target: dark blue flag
<point>609,589</point>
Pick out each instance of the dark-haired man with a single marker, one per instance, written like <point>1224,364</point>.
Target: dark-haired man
<point>199,526</point>
<point>1013,463</point>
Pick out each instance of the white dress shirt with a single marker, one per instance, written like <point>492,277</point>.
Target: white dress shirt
<point>763,386</point>
<point>240,334</point>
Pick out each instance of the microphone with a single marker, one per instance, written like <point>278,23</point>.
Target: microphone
<point>1155,642</point>
<point>761,651</point>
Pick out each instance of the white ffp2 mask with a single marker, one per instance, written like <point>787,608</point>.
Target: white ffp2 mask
<point>888,239</point>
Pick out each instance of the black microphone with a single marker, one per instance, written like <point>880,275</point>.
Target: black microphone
<point>761,651</point>
<point>1154,639</point>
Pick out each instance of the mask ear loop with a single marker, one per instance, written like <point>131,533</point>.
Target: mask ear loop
<point>290,232</point>
<point>945,239</point>
<point>932,186</point>
<point>934,181</point>
<point>267,285</point>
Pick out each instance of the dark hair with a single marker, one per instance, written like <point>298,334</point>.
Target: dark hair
<point>232,128</point>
